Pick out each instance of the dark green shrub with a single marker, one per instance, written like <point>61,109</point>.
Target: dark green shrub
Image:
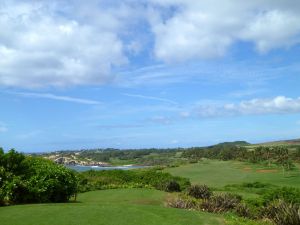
<point>94,180</point>
<point>282,213</point>
<point>30,180</point>
<point>255,185</point>
<point>199,191</point>
<point>16,190</point>
<point>14,162</point>
<point>221,203</point>
<point>2,194</point>
<point>254,202</point>
<point>288,194</point>
<point>172,186</point>
<point>49,182</point>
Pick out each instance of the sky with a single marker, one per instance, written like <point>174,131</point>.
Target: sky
<point>147,73</point>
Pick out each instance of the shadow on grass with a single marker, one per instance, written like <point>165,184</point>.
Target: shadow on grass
<point>73,201</point>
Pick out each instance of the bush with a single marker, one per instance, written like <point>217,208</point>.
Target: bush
<point>182,202</point>
<point>199,191</point>
<point>254,202</point>
<point>34,180</point>
<point>243,210</point>
<point>172,186</point>
<point>2,195</point>
<point>282,213</point>
<point>2,180</point>
<point>255,185</point>
<point>221,203</point>
<point>95,180</point>
<point>288,194</point>
<point>192,161</point>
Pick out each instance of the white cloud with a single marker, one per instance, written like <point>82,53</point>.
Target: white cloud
<point>57,97</point>
<point>57,43</point>
<point>151,98</point>
<point>273,29</point>
<point>51,44</point>
<point>277,105</point>
<point>206,29</point>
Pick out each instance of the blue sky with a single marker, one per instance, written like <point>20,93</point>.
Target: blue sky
<point>136,74</point>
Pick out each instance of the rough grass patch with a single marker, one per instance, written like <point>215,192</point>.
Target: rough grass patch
<point>282,213</point>
<point>221,203</point>
<point>182,202</point>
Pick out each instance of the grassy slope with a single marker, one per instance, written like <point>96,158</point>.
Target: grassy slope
<point>283,142</point>
<point>110,207</point>
<point>221,173</point>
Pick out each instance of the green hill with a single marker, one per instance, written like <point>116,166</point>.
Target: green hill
<point>282,142</point>
<point>235,143</point>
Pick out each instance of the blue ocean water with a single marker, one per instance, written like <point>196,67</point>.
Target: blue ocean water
<point>85,168</point>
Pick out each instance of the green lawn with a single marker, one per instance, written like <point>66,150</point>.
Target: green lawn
<point>220,173</point>
<point>146,206</point>
<point>109,207</point>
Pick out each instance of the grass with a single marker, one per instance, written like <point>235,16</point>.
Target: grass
<point>220,173</point>
<point>109,207</point>
<point>146,206</point>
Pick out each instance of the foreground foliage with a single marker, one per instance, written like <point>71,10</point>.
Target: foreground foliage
<point>31,180</point>
<point>282,210</point>
<point>283,213</point>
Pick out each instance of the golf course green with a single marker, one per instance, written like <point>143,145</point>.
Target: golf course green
<point>217,173</point>
<point>108,207</point>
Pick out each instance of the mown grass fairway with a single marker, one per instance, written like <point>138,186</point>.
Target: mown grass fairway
<point>109,207</point>
<point>220,173</point>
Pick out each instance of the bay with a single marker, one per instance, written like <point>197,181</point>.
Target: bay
<point>80,168</point>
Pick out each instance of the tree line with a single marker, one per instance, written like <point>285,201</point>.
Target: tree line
<point>279,155</point>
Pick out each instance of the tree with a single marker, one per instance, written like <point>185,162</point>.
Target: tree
<point>1,154</point>
<point>2,180</point>
<point>282,154</point>
<point>267,153</point>
<point>297,153</point>
<point>14,162</point>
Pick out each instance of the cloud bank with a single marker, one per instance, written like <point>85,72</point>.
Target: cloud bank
<point>206,29</point>
<point>65,43</point>
<point>277,105</point>
<point>53,44</point>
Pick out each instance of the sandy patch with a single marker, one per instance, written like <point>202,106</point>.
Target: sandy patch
<point>266,171</point>
<point>247,169</point>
